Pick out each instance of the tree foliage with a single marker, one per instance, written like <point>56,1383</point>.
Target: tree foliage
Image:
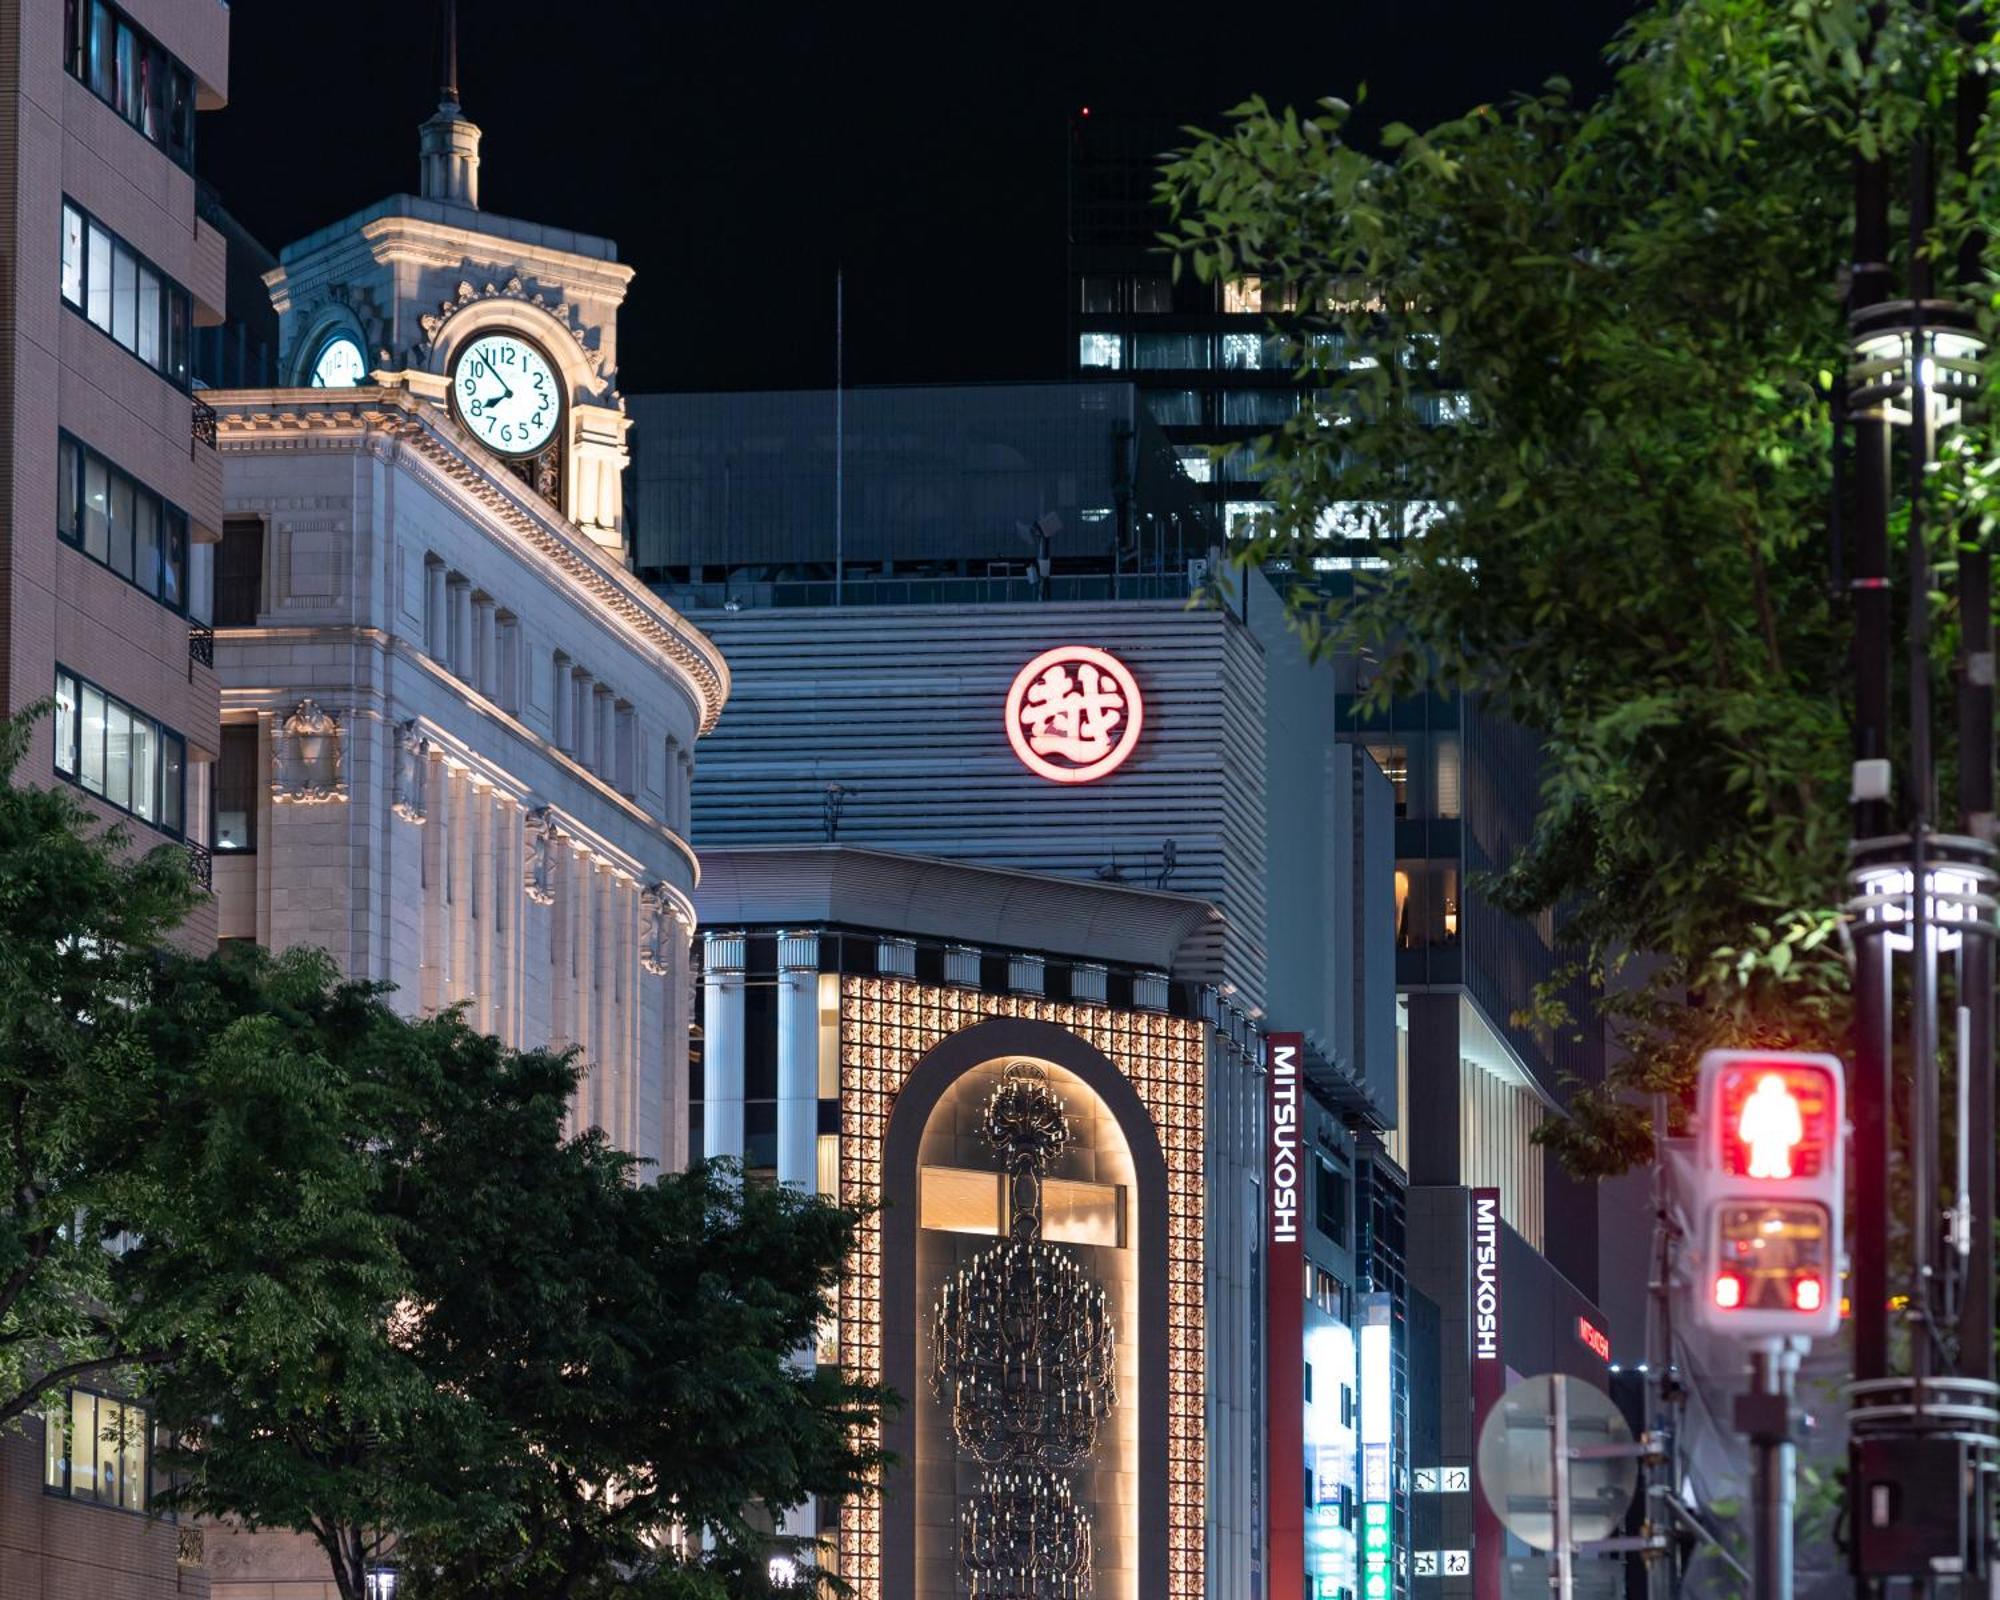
<point>1619,534</point>
<point>584,1374</point>
<point>173,1176</point>
<point>368,1281</point>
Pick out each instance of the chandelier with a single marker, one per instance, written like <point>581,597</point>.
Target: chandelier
<point>1024,1355</point>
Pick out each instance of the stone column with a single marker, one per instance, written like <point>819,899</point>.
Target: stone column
<point>482,907</point>
<point>798,1059</point>
<point>583,908</point>
<point>485,652</point>
<point>560,722</point>
<point>459,883</point>
<point>607,734</point>
<point>461,628</point>
<point>437,630</point>
<point>586,720</point>
<point>722,1045</point>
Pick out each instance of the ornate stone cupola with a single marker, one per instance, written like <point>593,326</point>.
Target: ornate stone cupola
<point>508,327</point>
<point>449,142</point>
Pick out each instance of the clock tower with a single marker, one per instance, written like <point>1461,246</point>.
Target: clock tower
<point>508,327</point>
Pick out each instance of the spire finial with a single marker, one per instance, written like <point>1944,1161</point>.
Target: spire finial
<point>449,144</point>
<point>448,52</point>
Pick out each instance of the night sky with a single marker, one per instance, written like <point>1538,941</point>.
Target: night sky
<point>739,152</point>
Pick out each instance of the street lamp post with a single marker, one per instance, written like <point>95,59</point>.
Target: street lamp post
<point>1924,1442</point>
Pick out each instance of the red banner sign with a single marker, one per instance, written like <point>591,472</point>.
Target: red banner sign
<point>1489,1381</point>
<point>1285,1320</point>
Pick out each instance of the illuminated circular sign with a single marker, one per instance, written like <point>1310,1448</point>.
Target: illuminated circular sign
<point>1074,714</point>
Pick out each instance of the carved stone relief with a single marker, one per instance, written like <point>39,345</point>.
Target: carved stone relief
<point>544,846</point>
<point>308,749</point>
<point>413,753</point>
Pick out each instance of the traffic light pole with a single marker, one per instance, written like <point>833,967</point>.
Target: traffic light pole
<point>1767,1414</point>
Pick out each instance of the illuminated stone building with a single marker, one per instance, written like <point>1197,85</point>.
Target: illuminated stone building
<point>110,503</point>
<point>457,735</point>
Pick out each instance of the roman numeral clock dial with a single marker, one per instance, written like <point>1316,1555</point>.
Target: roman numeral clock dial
<point>506,391</point>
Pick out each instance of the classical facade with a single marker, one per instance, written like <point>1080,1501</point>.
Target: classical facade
<point>457,735</point>
<point>1055,1146</point>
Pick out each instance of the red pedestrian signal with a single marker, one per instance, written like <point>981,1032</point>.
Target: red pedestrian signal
<point>1767,1206</point>
<point>1775,1119</point>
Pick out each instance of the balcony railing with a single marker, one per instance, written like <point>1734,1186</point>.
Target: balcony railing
<point>204,422</point>
<point>201,865</point>
<point>201,644</point>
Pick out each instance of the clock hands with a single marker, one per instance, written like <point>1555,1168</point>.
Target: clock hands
<point>493,373</point>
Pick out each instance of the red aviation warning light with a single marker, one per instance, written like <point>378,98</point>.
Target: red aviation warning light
<point>1768,1202</point>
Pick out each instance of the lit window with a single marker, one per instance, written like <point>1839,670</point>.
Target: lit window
<point>1445,778</point>
<point>1241,295</point>
<point>1394,760</point>
<point>133,75</point>
<point>120,523</point>
<point>1153,293</point>
<point>1075,1212</point>
<point>1197,464</point>
<point>120,292</point>
<point>957,1200</point>
<point>1240,517</point>
<point>97,1449</point>
<point>119,754</point>
<point>1243,352</point>
<point>1105,350</point>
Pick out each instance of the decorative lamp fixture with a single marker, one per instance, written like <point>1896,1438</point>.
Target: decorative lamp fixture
<point>1025,1538</point>
<point>381,1583</point>
<point>1023,1356</point>
<point>1904,348</point>
<point>1959,891</point>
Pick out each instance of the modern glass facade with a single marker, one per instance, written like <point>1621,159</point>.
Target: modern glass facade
<point>913,493</point>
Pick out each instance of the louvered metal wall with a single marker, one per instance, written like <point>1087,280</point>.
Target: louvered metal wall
<point>903,707</point>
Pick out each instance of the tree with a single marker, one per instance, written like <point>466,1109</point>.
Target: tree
<point>173,1178</point>
<point>1620,539</point>
<point>652,1393</point>
<point>582,1365</point>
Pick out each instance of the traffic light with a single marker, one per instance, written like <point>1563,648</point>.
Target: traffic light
<point>1767,1204</point>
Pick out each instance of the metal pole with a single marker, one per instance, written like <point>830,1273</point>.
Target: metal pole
<point>1870,589</point>
<point>839,434</point>
<point>1773,1467</point>
<point>1975,819</point>
<point>1562,1575</point>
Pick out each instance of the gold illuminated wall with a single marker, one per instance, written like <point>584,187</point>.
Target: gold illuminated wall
<point>887,1026</point>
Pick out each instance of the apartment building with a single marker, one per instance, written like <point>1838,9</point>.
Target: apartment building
<point>110,503</point>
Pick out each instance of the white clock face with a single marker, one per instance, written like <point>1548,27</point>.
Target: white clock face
<point>339,365</point>
<point>507,393</point>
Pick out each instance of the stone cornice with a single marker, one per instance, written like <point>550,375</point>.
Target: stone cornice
<point>438,244</point>
<point>254,421</point>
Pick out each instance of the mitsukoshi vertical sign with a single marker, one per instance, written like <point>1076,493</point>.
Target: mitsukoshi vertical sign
<point>1285,1320</point>
<point>1489,1379</point>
